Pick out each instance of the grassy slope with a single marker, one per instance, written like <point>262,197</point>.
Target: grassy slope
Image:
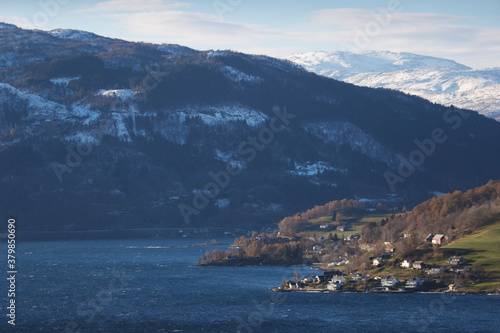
<point>482,246</point>
<point>355,219</point>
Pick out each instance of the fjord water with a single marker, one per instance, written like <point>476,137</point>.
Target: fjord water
<point>150,285</point>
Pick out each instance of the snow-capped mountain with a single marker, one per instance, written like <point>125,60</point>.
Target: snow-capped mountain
<point>439,80</point>
<point>75,34</point>
<point>103,133</point>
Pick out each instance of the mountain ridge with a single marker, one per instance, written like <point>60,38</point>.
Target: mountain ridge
<point>439,80</point>
<point>115,134</point>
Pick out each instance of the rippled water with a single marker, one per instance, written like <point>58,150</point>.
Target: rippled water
<point>149,285</point>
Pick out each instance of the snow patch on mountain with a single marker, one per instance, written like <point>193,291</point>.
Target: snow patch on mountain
<point>231,157</point>
<point>313,168</point>
<point>82,110</point>
<point>120,129</point>
<point>339,133</point>
<point>224,156</point>
<point>238,76</point>
<point>219,115</point>
<point>38,107</point>
<point>118,93</point>
<point>74,34</point>
<point>174,49</point>
<point>175,125</point>
<point>63,81</point>
<point>212,54</point>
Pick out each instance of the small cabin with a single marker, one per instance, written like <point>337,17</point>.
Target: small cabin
<point>439,239</point>
<point>418,265</point>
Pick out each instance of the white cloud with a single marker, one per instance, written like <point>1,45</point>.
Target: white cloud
<point>192,29</point>
<point>167,21</point>
<point>360,17</point>
<point>425,33</point>
<point>21,22</point>
<point>134,6</point>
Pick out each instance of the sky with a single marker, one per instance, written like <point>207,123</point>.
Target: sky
<point>463,30</point>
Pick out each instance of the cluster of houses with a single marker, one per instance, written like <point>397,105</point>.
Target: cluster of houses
<point>336,281</point>
<point>456,262</point>
<point>341,262</point>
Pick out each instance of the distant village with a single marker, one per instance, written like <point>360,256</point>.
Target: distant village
<point>335,280</point>
<point>425,277</point>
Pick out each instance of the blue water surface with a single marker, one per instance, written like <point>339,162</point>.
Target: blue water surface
<point>150,285</point>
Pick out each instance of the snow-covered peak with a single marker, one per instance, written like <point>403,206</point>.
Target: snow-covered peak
<point>344,64</point>
<point>438,80</point>
<point>74,34</point>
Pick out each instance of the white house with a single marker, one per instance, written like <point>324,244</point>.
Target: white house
<point>455,261</point>
<point>316,248</point>
<point>332,286</point>
<point>406,264</point>
<point>388,281</point>
<point>378,261</point>
<point>307,279</point>
<point>338,279</point>
<point>412,283</point>
<point>295,285</point>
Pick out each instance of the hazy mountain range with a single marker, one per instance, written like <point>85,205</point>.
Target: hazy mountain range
<point>438,80</point>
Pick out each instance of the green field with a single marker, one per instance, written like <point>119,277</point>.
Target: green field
<point>483,247</point>
<point>355,219</point>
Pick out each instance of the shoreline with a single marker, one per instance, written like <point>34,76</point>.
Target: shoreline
<point>124,234</point>
<point>326,291</point>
